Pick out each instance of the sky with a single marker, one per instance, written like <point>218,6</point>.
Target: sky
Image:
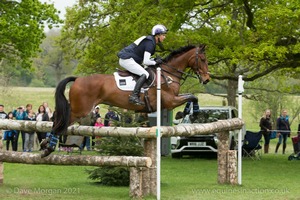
<point>61,5</point>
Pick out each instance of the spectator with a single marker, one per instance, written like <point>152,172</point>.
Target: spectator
<point>3,114</point>
<point>110,116</point>
<point>29,136</point>
<point>99,124</point>
<point>28,108</point>
<point>283,129</point>
<point>266,127</point>
<point>10,134</point>
<point>48,110</point>
<point>19,114</point>
<point>96,115</point>
<point>87,121</point>
<point>96,112</point>
<point>42,116</point>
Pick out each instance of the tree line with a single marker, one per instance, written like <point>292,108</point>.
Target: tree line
<point>256,39</point>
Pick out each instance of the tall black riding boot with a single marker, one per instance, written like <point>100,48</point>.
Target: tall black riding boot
<point>283,148</point>
<point>134,98</point>
<point>277,146</point>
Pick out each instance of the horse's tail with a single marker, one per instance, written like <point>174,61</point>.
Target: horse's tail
<point>61,118</point>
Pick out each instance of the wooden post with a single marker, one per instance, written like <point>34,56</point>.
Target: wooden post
<point>222,156</point>
<point>232,167</point>
<point>1,164</point>
<point>136,177</point>
<point>149,174</point>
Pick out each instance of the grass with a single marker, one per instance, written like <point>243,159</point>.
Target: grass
<point>49,182</point>
<point>273,177</point>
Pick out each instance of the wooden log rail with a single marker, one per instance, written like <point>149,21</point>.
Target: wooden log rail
<point>137,165</point>
<point>142,179</point>
<point>141,132</point>
<point>34,158</point>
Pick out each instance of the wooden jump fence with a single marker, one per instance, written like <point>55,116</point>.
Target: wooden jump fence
<point>142,169</point>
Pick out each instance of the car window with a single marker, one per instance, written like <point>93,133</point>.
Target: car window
<point>207,116</point>
<point>234,113</point>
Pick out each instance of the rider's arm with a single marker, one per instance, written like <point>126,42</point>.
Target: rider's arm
<point>147,60</point>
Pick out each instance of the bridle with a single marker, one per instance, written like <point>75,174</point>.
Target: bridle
<point>198,73</point>
<point>183,75</point>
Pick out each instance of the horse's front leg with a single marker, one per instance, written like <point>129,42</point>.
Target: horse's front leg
<point>176,101</point>
<point>189,97</point>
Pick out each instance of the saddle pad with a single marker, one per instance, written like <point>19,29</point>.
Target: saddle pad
<point>124,83</point>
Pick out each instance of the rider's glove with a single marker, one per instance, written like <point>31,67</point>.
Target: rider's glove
<point>159,61</point>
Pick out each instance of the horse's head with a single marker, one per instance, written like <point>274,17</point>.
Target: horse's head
<point>199,64</point>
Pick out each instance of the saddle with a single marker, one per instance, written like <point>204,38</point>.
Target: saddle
<point>126,80</point>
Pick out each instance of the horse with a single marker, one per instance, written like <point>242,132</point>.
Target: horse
<point>87,92</point>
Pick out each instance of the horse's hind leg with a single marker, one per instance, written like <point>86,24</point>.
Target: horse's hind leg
<point>49,144</point>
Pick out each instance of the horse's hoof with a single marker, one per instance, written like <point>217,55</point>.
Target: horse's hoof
<point>44,143</point>
<point>46,152</point>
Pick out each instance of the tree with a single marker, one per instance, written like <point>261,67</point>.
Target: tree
<point>252,39</point>
<point>22,28</point>
<point>51,65</point>
<point>117,146</point>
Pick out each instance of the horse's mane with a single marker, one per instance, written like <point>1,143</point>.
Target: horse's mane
<point>178,52</point>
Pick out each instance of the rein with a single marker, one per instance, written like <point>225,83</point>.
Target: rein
<point>181,77</point>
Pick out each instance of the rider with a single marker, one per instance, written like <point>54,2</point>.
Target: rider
<point>133,56</point>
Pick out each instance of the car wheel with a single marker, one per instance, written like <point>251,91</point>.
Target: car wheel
<point>176,155</point>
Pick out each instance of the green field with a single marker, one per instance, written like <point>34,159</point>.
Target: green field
<point>273,177</point>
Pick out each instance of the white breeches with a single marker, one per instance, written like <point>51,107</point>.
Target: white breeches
<point>133,67</point>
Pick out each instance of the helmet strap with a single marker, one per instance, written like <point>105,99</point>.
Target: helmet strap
<point>158,39</point>
<point>161,46</point>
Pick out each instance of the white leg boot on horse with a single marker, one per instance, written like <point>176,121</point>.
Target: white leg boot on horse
<point>134,98</point>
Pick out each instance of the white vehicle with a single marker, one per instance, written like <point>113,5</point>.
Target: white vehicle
<point>204,143</point>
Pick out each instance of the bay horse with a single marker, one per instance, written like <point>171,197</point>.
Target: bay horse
<point>87,92</point>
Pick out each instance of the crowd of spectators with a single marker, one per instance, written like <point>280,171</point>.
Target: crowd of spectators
<point>31,140</point>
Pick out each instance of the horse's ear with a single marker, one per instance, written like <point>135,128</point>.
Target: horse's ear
<point>203,47</point>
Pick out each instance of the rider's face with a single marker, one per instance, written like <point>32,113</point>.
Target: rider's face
<point>161,37</point>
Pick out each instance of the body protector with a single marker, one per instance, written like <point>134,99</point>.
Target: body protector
<point>136,49</point>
